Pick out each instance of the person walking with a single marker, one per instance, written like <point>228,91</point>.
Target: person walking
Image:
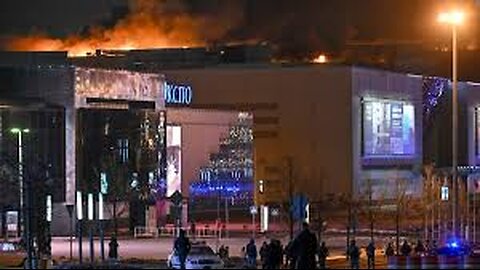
<point>251,251</point>
<point>182,248</point>
<point>322,255</point>
<point>306,244</point>
<point>371,255</point>
<point>354,253</point>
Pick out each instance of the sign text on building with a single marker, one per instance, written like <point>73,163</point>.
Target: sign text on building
<point>178,94</point>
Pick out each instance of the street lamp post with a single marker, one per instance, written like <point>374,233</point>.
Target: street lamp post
<point>253,212</point>
<point>25,222</point>
<point>19,133</point>
<point>100,220</point>
<point>454,19</point>
<point>79,225</point>
<point>70,215</point>
<point>90,226</point>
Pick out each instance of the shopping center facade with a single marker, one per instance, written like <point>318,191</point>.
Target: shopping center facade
<point>320,130</point>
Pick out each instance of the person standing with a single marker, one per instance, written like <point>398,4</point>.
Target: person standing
<point>305,244</point>
<point>354,254</point>
<point>406,249</point>
<point>371,255</point>
<point>264,255</point>
<point>322,255</point>
<point>252,254</point>
<point>182,248</point>
<point>419,248</point>
<point>389,250</point>
<point>291,256</point>
<point>275,254</point>
<point>193,229</point>
<point>113,248</point>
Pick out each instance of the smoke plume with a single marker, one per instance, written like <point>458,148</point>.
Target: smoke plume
<point>149,24</point>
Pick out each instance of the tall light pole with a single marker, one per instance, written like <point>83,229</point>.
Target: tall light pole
<point>454,19</point>
<point>19,132</point>
<point>25,229</point>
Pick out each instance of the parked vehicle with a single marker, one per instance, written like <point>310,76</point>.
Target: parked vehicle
<point>201,256</point>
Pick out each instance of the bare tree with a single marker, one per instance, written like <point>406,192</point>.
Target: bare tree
<point>403,202</point>
<point>376,199</point>
<point>117,174</point>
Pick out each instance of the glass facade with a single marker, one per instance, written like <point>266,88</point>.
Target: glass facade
<point>121,152</point>
<point>42,162</point>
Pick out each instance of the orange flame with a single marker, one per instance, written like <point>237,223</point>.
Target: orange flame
<point>147,27</point>
<point>320,59</point>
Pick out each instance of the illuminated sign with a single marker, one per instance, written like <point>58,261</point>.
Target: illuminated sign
<point>90,206</point>
<point>178,94</point>
<point>79,206</point>
<point>444,193</point>
<point>101,216</point>
<point>103,183</point>
<point>388,128</point>
<point>49,208</point>
<point>174,159</point>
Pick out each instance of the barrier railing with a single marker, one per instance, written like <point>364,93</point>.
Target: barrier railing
<point>172,231</point>
<point>144,232</point>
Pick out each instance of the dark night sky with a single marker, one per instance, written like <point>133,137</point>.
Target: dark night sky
<point>295,25</point>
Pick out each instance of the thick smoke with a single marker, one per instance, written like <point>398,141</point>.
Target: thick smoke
<point>149,24</point>
<point>296,29</point>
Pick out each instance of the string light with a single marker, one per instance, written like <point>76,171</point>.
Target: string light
<point>433,90</point>
<point>229,172</point>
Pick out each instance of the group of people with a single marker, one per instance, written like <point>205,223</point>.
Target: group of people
<point>271,254</point>
<point>405,250</point>
<point>419,249</point>
<point>300,253</point>
<point>353,253</point>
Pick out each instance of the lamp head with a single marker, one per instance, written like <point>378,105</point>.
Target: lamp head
<point>454,17</point>
<point>18,130</point>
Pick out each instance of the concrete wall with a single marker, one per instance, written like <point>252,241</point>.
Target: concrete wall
<point>385,85</point>
<point>469,95</point>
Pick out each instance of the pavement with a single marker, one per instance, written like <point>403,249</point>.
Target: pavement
<point>152,253</point>
<point>160,248</point>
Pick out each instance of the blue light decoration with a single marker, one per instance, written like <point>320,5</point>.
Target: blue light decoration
<point>229,172</point>
<point>433,90</point>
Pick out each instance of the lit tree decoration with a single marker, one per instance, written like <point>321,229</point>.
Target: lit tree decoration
<point>433,89</point>
<point>229,173</point>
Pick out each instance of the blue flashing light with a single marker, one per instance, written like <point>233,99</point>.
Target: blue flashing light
<point>453,244</point>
